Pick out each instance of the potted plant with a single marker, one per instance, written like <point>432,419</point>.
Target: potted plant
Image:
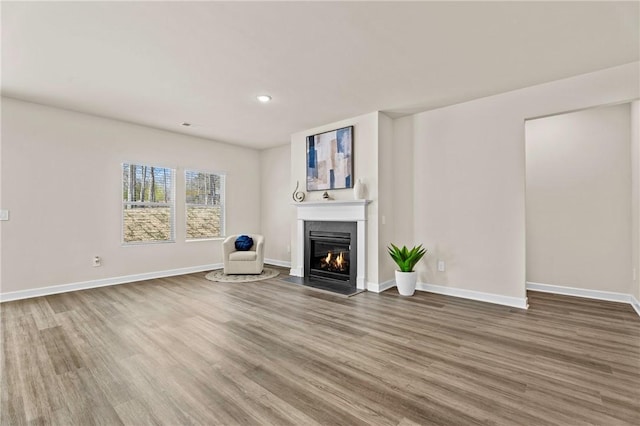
<point>406,259</point>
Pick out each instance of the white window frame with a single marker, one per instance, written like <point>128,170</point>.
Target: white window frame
<point>171,205</point>
<point>223,203</point>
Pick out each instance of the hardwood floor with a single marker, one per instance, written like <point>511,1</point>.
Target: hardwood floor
<point>184,350</point>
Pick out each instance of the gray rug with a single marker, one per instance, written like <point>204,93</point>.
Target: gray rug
<point>218,275</point>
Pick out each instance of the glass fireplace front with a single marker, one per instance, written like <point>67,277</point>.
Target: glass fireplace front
<point>331,254</point>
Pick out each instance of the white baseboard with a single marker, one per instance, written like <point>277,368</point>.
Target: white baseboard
<point>296,272</point>
<point>84,285</point>
<point>282,263</point>
<point>498,299</point>
<point>609,296</point>
<point>635,304</point>
<point>379,288</point>
<point>580,292</point>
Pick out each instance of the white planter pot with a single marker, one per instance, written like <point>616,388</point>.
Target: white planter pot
<point>406,282</point>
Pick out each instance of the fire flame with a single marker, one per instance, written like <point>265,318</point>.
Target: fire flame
<point>332,262</point>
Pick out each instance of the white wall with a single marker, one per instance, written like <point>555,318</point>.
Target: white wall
<point>383,152</point>
<point>578,186</point>
<point>276,209</point>
<point>1,203</point>
<point>469,166</point>
<point>635,197</point>
<point>365,167</point>
<point>61,179</point>
<point>396,178</point>
<point>403,182</point>
<point>388,184</point>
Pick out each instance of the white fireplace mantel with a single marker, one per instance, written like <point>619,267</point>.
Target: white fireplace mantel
<point>334,210</point>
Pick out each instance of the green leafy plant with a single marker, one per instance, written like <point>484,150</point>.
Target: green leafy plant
<point>405,258</point>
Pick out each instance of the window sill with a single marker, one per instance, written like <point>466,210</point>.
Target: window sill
<point>197,240</point>
<point>146,243</point>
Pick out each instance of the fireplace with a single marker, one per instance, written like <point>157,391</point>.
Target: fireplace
<point>331,254</point>
<point>332,213</point>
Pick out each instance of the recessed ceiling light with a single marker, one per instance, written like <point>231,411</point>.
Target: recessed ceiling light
<point>264,98</point>
<point>185,124</point>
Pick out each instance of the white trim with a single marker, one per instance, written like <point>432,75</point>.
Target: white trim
<point>498,299</point>
<point>332,203</point>
<point>145,243</point>
<point>222,206</point>
<point>361,283</point>
<point>171,205</point>
<point>380,287</point>
<point>197,240</point>
<point>580,292</point>
<point>275,262</point>
<point>334,210</point>
<point>84,285</point>
<point>635,304</point>
<point>609,296</point>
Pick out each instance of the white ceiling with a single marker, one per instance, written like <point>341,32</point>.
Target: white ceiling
<point>160,64</point>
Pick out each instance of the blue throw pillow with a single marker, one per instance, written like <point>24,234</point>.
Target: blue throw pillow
<point>244,243</point>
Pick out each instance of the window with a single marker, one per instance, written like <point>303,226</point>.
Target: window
<point>205,204</point>
<point>147,204</point>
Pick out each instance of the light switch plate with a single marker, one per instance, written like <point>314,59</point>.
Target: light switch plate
<point>4,214</point>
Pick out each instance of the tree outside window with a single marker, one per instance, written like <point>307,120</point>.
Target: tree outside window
<point>204,204</point>
<point>147,204</point>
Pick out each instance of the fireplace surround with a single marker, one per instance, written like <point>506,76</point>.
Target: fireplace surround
<point>334,211</point>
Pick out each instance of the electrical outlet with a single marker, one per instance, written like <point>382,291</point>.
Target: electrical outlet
<point>97,261</point>
<point>4,214</point>
<point>288,249</point>
<point>441,266</point>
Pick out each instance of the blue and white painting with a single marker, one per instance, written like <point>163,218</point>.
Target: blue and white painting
<point>330,160</point>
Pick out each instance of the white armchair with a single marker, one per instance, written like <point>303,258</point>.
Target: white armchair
<point>243,262</point>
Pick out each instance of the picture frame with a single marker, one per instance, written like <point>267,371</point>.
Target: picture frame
<point>330,160</point>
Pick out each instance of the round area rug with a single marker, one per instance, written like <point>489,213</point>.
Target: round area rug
<point>218,275</point>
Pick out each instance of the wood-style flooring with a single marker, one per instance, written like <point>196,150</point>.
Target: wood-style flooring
<point>184,350</point>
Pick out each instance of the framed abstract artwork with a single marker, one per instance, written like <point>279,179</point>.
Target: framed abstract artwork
<point>330,160</point>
